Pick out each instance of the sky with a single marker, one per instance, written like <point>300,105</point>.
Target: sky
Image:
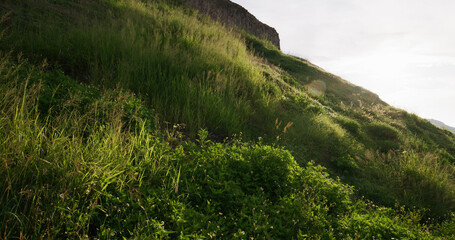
<point>402,50</point>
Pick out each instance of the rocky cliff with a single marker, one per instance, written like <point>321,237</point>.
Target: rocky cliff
<point>232,14</point>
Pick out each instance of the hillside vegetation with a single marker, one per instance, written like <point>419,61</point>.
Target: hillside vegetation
<point>145,120</point>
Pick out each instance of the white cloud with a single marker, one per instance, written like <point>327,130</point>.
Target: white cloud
<point>401,49</point>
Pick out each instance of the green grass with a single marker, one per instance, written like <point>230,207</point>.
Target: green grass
<point>126,118</point>
<point>412,179</point>
<point>83,173</point>
<point>305,73</point>
<point>192,72</point>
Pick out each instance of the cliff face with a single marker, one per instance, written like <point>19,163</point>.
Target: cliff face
<point>232,14</point>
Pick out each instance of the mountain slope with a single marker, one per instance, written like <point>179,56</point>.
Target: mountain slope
<point>126,119</point>
<point>442,125</point>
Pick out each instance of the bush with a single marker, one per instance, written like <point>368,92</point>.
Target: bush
<point>349,124</point>
<point>262,191</point>
<point>376,222</point>
<point>446,229</point>
<point>382,131</point>
<point>383,135</point>
<point>345,164</point>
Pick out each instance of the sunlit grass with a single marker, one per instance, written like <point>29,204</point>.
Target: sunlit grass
<point>413,179</point>
<point>87,172</point>
<point>191,72</point>
<point>106,131</point>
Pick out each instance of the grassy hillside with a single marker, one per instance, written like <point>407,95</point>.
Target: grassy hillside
<point>387,153</point>
<point>141,119</point>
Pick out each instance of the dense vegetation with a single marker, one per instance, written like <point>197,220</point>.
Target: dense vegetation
<point>142,119</point>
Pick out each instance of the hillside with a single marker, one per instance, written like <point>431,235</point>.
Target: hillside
<point>442,125</point>
<point>147,120</point>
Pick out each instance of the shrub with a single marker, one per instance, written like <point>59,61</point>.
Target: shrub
<point>384,136</point>
<point>349,124</point>
<point>446,229</point>
<point>345,164</point>
<point>382,131</point>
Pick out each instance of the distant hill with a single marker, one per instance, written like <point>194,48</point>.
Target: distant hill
<point>442,125</point>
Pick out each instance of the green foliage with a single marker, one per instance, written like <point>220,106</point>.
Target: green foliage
<point>385,223</point>
<point>290,80</point>
<point>303,72</point>
<point>446,229</point>
<point>382,131</point>
<point>346,164</point>
<point>300,103</point>
<point>349,124</point>
<point>108,182</point>
<point>323,140</point>
<point>170,59</point>
<point>384,136</point>
<point>430,133</point>
<point>410,178</point>
<point>112,135</point>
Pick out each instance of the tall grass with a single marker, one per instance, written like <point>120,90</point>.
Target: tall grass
<point>192,72</point>
<point>99,142</point>
<point>85,172</point>
<point>87,159</point>
<point>412,179</point>
<point>57,169</point>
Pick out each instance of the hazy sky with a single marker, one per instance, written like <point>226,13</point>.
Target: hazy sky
<point>403,50</point>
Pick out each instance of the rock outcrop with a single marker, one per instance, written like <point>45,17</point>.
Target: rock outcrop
<point>234,15</point>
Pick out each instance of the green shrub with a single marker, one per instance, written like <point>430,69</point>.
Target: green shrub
<point>446,229</point>
<point>384,136</point>
<point>349,124</point>
<point>290,80</point>
<point>410,178</point>
<point>382,131</point>
<point>376,222</point>
<point>345,164</point>
<point>262,191</point>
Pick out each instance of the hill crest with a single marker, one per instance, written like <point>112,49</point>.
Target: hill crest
<point>232,14</point>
